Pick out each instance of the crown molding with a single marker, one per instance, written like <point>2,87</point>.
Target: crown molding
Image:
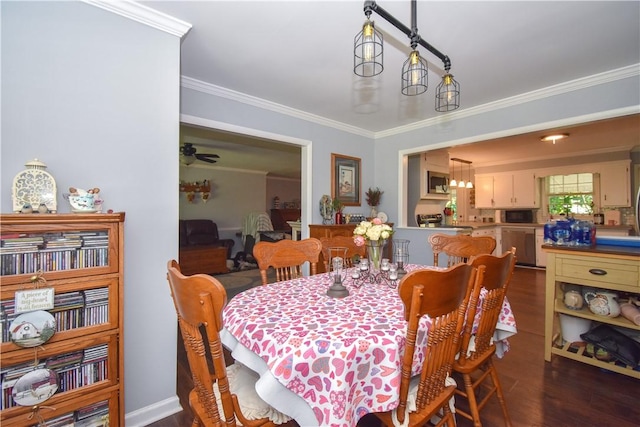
<point>570,86</point>
<point>145,15</point>
<point>208,88</point>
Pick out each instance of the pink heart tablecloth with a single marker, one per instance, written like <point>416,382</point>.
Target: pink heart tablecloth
<point>341,356</point>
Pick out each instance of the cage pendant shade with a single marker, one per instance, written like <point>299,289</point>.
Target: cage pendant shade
<point>367,51</point>
<point>447,94</point>
<point>414,75</point>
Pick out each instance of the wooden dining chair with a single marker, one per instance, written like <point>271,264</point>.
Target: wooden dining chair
<point>347,242</point>
<point>444,296</point>
<point>226,396</point>
<point>460,247</point>
<point>477,348</point>
<point>287,257</point>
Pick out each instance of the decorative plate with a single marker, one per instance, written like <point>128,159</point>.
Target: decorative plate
<point>32,329</point>
<point>34,186</point>
<point>35,387</point>
<point>382,216</point>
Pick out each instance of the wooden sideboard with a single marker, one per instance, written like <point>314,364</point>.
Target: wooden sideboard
<point>321,230</point>
<point>607,268</point>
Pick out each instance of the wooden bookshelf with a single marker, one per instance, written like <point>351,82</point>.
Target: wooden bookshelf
<point>80,257</point>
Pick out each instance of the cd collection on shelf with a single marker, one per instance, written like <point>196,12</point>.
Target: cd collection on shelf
<point>96,415</point>
<point>61,320</point>
<point>29,253</point>
<point>73,370</point>
<point>71,310</point>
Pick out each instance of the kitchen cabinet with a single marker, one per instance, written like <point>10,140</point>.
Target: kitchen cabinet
<point>507,190</point>
<point>621,268</point>
<point>515,190</point>
<point>484,191</point>
<point>615,184</point>
<point>79,258</point>
<point>541,256</point>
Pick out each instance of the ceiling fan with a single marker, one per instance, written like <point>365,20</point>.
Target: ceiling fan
<point>189,155</point>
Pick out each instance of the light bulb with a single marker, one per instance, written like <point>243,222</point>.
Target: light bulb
<point>447,83</point>
<point>368,45</point>
<point>414,68</point>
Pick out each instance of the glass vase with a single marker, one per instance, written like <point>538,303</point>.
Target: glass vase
<point>374,252</point>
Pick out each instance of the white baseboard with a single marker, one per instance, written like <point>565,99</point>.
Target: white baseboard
<point>152,413</point>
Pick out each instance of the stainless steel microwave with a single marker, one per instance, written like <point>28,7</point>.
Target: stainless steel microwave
<point>437,182</point>
<point>522,216</point>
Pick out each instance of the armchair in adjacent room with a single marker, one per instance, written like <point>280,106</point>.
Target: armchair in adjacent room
<point>202,232</point>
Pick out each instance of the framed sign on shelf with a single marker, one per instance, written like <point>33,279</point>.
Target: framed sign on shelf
<point>345,179</point>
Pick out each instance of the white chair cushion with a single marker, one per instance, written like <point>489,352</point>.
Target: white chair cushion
<point>411,402</point>
<point>242,383</point>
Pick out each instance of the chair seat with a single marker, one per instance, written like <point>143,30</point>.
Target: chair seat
<point>411,400</point>
<point>242,383</point>
<point>473,363</point>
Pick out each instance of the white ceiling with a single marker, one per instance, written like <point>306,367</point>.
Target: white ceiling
<point>299,54</point>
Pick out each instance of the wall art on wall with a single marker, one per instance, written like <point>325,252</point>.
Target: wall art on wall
<point>345,179</point>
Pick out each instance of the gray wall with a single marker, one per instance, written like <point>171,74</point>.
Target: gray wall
<point>96,97</point>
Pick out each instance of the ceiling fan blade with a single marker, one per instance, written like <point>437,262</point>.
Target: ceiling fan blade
<point>205,159</point>
<point>214,156</point>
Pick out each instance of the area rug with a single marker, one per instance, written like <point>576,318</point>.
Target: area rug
<point>240,281</point>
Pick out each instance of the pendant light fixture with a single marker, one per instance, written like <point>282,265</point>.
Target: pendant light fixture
<point>461,183</point>
<point>368,52</point>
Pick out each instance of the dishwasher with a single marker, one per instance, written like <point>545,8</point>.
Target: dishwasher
<point>524,240</point>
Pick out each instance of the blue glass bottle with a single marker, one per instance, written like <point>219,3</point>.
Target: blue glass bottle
<point>549,229</point>
<point>562,232</point>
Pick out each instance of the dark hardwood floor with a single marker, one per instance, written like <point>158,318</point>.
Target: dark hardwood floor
<point>559,393</point>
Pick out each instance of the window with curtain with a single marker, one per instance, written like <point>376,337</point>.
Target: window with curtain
<point>570,194</point>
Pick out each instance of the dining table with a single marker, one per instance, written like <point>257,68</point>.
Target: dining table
<point>328,361</point>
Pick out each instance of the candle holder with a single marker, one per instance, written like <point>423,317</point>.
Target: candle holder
<point>401,255</point>
<point>336,263</point>
<point>364,273</point>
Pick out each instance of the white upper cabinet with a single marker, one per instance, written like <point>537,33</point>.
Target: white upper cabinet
<point>615,184</point>
<point>484,191</point>
<point>507,190</point>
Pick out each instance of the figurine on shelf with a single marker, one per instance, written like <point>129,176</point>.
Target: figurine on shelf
<point>43,208</point>
<point>26,209</point>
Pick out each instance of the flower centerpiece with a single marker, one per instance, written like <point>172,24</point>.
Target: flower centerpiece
<point>374,234</point>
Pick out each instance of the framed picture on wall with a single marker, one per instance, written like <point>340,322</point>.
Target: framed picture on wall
<point>345,179</point>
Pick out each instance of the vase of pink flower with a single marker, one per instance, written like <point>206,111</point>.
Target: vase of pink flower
<point>374,234</point>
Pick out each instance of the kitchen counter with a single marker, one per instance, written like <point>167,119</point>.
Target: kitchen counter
<point>479,225</point>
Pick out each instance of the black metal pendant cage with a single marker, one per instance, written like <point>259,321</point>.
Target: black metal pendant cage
<point>447,94</point>
<point>367,51</point>
<point>415,78</point>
